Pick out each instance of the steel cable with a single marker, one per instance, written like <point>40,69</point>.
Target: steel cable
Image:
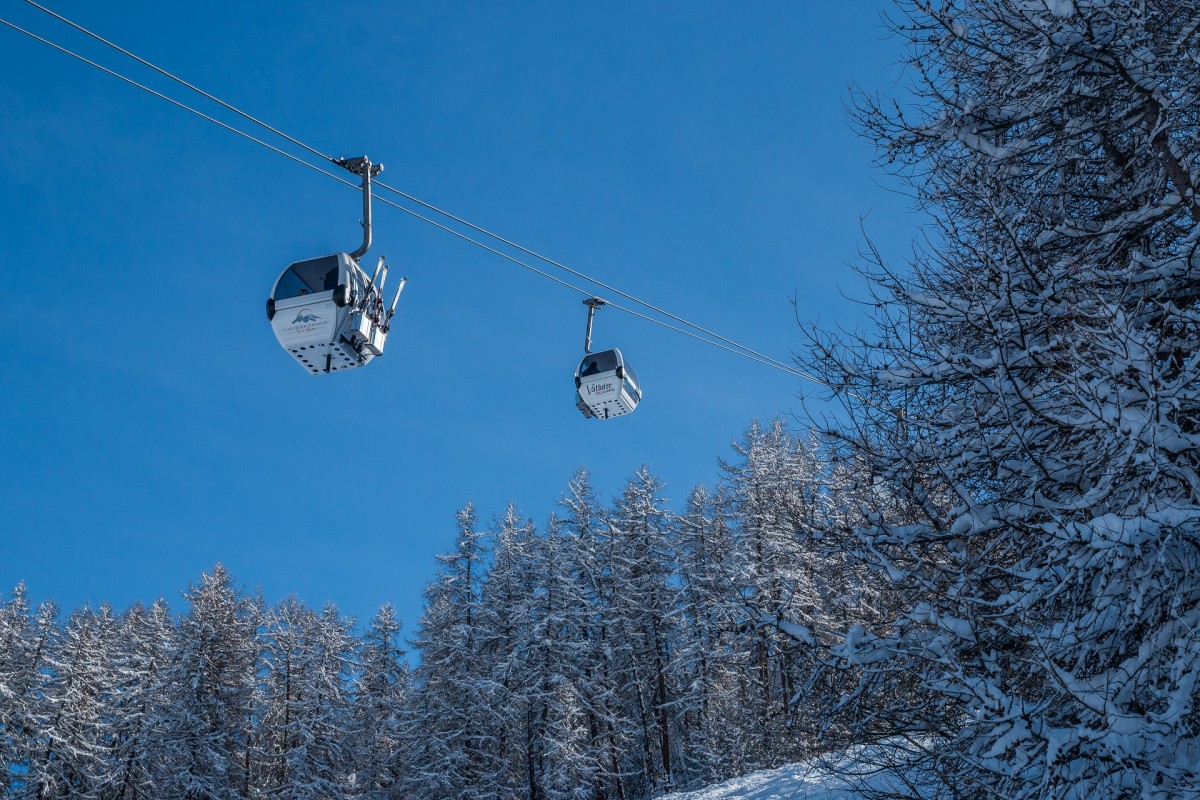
<point>721,342</point>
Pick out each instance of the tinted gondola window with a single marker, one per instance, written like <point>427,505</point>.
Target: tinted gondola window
<point>595,363</point>
<point>631,375</point>
<point>308,277</point>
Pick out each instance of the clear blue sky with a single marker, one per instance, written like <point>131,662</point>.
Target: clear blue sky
<point>697,154</point>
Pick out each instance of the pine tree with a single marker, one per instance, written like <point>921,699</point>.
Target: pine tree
<point>139,654</point>
<point>564,762</point>
<point>307,710</point>
<point>21,658</point>
<point>641,615</point>
<point>506,626</point>
<point>28,668</point>
<point>779,501</point>
<point>447,742</point>
<point>74,720</point>
<point>612,726</point>
<point>711,660</point>
<point>1029,401</point>
<point>205,730</point>
<point>380,696</point>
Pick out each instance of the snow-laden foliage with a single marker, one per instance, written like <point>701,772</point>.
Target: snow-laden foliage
<point>376,725</point>
<point>626,651</point>
<point>1027,408</point>
<point>618,652</point>
<point>229,700</point>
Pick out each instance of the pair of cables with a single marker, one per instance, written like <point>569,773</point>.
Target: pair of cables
<point>664,319</point>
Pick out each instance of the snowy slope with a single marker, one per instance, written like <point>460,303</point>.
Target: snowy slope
<point>786,783</point>
<point>828,780</point>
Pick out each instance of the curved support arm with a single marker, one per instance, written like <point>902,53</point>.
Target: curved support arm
<point>366,220</point>
<point>363,166</point>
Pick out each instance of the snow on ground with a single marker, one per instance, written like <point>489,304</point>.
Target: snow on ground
<point>816,780</point>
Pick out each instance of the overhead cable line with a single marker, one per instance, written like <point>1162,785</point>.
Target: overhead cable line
<point>179,80</point>
<point>756,356</point>
<point>385,200</point>
<point>405,195</point>
<point>722,342</point>
<point>172,101</point>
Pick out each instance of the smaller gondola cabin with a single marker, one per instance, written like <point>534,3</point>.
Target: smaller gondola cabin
<point>606,386</point>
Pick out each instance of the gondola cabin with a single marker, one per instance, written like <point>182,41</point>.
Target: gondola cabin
<point>606,386</point>
<point>321,313</point>
<point>325,312</point>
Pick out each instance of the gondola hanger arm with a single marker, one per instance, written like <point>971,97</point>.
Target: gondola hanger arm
<point>362,166</point>
<point>592,303</point>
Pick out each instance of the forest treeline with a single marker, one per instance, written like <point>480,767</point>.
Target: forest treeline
<point>616,651</point>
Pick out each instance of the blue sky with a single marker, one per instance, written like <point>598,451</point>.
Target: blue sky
<point>695,154</point>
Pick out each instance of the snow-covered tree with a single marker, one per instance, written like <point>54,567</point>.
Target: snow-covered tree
<point>446,740</point>
<point>1029,400</point>
<point>564,764</point>
<point>641,617</point>
<point>777,491</point>
<point>712,661</point>
<point>138,656</point>
<point>307,705</point>
<point>380,696</point>
<point>611,723</point>
<point>21,657</point>
<point>74,719</point>
<point>204,730</point>
<point>31,641</point>
<point>506,626</point>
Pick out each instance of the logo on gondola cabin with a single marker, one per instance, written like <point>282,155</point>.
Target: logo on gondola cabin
<point>599,388</point>
<point>306,323</point>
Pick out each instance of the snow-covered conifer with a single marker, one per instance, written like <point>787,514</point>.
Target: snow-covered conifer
<point>23,708</point>
<point>1029,401</point>
<point>447,743</point>
<point>21,657</point>
<point>711,661</point>
<point>305,726</point>
<point>563,763</point>
<point>138,656</point>
<point>380,696</point>
<point>611,721</point>
<point>778,499</point>
<point>73,719</point>
<point>641,617</point>
<point>506,627</point>
<point>205,728</point>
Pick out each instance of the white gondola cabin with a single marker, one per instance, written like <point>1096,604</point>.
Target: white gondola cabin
<point>605,385</point>
<point>325,312</point>
<point>320,312</point>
